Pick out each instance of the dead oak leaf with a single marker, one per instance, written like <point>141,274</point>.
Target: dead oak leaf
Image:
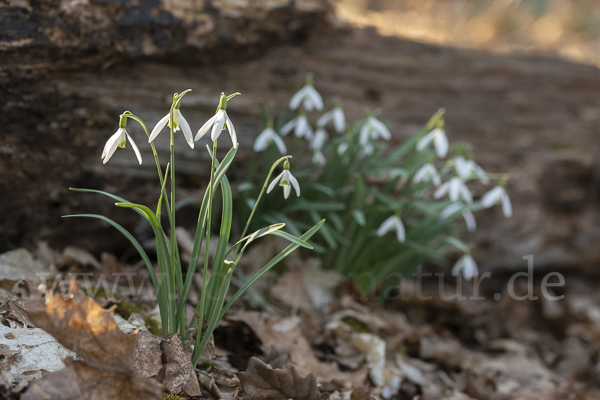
<point>260,381</point>
<point>82,325</point>
<point>180,375</point>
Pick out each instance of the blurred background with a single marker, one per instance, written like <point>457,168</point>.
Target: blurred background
<point>564,28</point>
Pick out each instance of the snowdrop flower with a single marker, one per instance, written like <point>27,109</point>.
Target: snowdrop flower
<point>373,129</point>
<point>394,222</point>
<point>338,117</point>
<point>467,266</point>
<point>465,169</point>
<point>439,139</point>
<point>498,194</point>
<point>268,136</point>
<point>118,140</point>
<point>368,149</point>
<point>287,180</point>
<point>428,173</point>
<point>218,122</point>
<point>300,126</point>
<point>318,141</point>
<point>342,148</point>
<point>456,189</point>
<point>318,158</point>
<point>467,215</point>
<point>308,96</point>
<point>179,123</point>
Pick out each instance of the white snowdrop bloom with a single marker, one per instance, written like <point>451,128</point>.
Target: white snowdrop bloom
<point>465,169</point>
<point>318,141</point>
<point>287,180</point>
<point>498,194</point>
<point>456,189</point>
<point>338,117</point>
<point>318,158</point>
<point>119,139</point>
<point>393,223</point>
<point>428,173</point>
<point>268,136</point>
<point>308,96</point>
<point>179,123</point>
<point>368,149</point>
<point>300,125</point>
<point>218,122</point>
<point>439,139</point>
<point>467,215</point>
<point>467,266</point>
<point>342,148</point>
<point>373,129</point>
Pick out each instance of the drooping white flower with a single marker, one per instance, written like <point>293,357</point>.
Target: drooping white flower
<point>342,148</point>
<point>318,140</point>
<point>308,96</point>
<point>373,129</point>
<point>338,117</point>
<point>467,266</point>
<point>300,125</point>
<point>465,169</point>
<point>318,158</point>
<point>368,149</point>
<point>467,215</point>
<point>428,173</point>
<point>268,136</point>
<point>286,180</point>
<point>456,189</point>
<point>439,139</point>
<point>498,194</point>
<point>119,139</point>
<point>218,122</point>
<point>179,122</point>
<point>393,223</point>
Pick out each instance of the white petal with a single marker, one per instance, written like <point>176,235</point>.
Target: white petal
<point>381,129</point>
<point>318,141</point>
<point>308,104</point>
<point>274,182</point>
<point>295,184</point>
<point>339,120</point>
<point>202,131</point>
<point>442,190</point>
<point>325,118</point>
<point>491,197</point>
<point>262,140</point>
<point>158,127</point>
<point>217,127</point>
<point>297,98</point>
<point>279,143</point>
<point>315,97</point>
<point>465,193</point>
<point>364,133</point>
<point>135,149</point>
<point>400,231</point>
<point>469,268</point>
<point>469,220</point>
<point>287,128</point>
<point>111,145</point>
<point>232,133</point>
<point>286,190</point>
<point>506,205</point>
<point>387,225</point>
<point>368,149</point>
<point>441,144</point>
<point>342,148</point>
<point>449,210</point>
<point>424,141</point>
<point>185,128</point>
<point>455,189</point>
<point>458,266</point>
<point>301,126</point>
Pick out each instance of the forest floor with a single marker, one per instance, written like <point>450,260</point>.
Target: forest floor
<point>418,344</point>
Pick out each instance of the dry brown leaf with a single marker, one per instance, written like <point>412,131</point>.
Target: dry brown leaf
<point>147,355</point>
<point>260,381</point>
<point>82,325</point>
<point>180,375</point>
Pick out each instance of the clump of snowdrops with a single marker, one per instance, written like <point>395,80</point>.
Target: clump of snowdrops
<point>173,282</point>
<point>390,208</point>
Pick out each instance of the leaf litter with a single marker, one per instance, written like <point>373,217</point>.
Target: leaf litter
<point>334,345</point>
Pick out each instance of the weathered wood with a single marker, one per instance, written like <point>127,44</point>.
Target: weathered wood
<point>533,117</point>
